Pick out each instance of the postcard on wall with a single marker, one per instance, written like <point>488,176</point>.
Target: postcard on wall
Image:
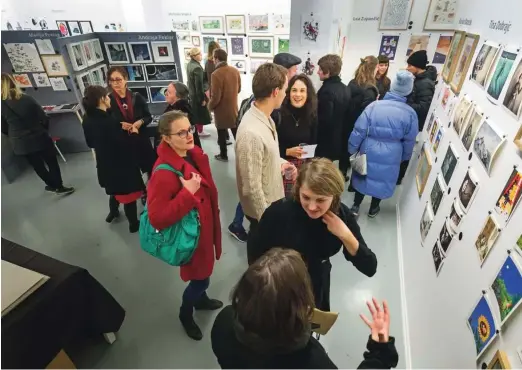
<point>438,257</point>
<point>24,57</point>
<point>483,64</point>
<point>442,51</point>
<point>240,65</point>
<point>471,126</point>
<point>437,194</point>
<point>58,84</point>
<point>237,46</point>
<point>449,164</point>
<point>513,98</point>
<point>442,15</point>
<point>464,60</point>
<point>445,238</point>
<point>45,46</point>
<point>455,216</point>
<point>211,25</point>
<point>117,52</point>
<point>482,324</point>
<point>426,221</point>
<point>258,23</point>
<point>510,196</point>
<point>417,42</point>
<point>487,143</point>
<point>467,191</point>
<point>54,65</point>
<point>310,29</point>
<point>235,24</point>
<point>261,46</point>
<point>162,51</point>
<point>423,170</point>
<point>487,238</point>
<point>507,288</point>
<point>502,71</point>
<point>389,46</point>
<point>22,80</point>
<point>395,14</point>
<point>41,80</point>
<point>281,24</point>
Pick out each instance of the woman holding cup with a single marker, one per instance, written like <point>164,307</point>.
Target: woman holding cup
<point>298,124</point>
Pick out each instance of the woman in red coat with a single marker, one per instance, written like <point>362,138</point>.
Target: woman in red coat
<point>171,197</point>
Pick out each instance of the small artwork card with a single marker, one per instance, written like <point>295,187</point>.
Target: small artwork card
<point>426,221</point>
<point>437,194</point>
<point>117,52</point>
<point>162,51</point>
<point>283,44</point>
<point>58,84</point>
<point>430,122</point>
<point>507,288</point>
<point>45,46</point>
<point>434,130</point>
<point>471,126</point>
<point>482,325</point>
<point>41,80</point>
<point>235,24</point>
<point>158,94</point>
<point>510,197</point>
<point>483,64</point>
<point>499,78</point>
<point>389,46</point>
<point>487,238</point>
<point>461,114</point>
<point>438,257</point>
<point>238,46</point>
<point>196,41</point>
<point>240,65</point>
<point>445,238</point>
<point>54,65</point>
<point>22,80</point>
<point>438,139</point>
<point>449,164</point>
<point>258,23</point>
<point>487,142</point>
<point>467,191</point>
<point>455,216</point>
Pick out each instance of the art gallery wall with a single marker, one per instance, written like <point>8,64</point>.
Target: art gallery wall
<point>437,307</point>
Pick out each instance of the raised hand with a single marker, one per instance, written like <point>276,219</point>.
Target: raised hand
<point>380,323</point>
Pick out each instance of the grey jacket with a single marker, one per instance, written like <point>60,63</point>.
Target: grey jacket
<point>25,123</point>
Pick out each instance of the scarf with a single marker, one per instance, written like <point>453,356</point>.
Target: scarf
<point>125,105</point>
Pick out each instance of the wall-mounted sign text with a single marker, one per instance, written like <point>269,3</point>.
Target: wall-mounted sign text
<point>156,37</point>
<point>500,26</point>
<point>44,34</point>
<point>365,19</point>
<point>466,21</point>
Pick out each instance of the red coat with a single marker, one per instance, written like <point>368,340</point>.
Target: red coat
<point>168,201</point>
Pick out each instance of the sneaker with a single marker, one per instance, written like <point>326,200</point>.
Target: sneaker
<point>220,158</point>
<point>208,304</point>
<point>111,217</point>
<point>374,212</point>
<point>204,134</point>
<point>64,190</point>
<point>355,210</point>
<point>191,328</point>
<point>238,232</point>
<point>50,189</point>
<point>134,227</point>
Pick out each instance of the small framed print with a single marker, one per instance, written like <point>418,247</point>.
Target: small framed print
<point>499,361</point>
<point>211,25</point>
<point>235,24</point>
<point>463,62</point>
<point>161,72</point>
<point>142,90</point>
<point>88,50</point>
<point>140,52</point>
<point>162,51</point>
<point>54,65</point>
<point>84,80</point>
<point>117,52</point>
<point>423,170</point>
<point>453,56</point>
<point>86,27</point>
<point>74,28</point>
<point>77,56</point>
<point>158,94</point>
<point>96,47</point>
<point>196,41</point>
<point>261,46</point>
<point>62,27</point>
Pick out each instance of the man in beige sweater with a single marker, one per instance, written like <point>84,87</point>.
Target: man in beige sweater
<point>259,168</point>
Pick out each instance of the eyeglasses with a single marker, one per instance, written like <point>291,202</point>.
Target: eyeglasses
<point>118,80</point>
<point>184,133</point>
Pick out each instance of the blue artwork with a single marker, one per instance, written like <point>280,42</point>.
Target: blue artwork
<point>507,287</point>
<point>482,325</point>
<point>389,46</point>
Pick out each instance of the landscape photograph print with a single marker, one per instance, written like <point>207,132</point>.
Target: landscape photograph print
<point>507,288</point>
<point>486,143</point>
<point>487,238</point>
<point>471,127</point>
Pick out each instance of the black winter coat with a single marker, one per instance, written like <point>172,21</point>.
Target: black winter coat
<point>25,123</point>
<point>333,100</point>
<point>285,223</point>
<point>184,106</point>
<point>361,98</point>
<point>232,353</point>
<point>422,94</point>
<point>118,170</point>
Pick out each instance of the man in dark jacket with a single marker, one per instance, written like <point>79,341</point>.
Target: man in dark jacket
<point>178,99</point>
<point>424,86</point>
<point>333,100</point>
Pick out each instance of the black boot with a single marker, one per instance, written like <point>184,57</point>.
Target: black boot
<point>191,328</point>
<point>205,303</point>
<point>112,216</point>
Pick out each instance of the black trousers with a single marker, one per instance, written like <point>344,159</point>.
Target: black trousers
<point>402,171</point>
<point>51,174</point>
<point>130,209</point>
<point>359,198</point>
<point>252,236</point>
<point>222,140</point>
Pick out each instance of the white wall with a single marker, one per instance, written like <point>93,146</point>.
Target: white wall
<point>438,306</point>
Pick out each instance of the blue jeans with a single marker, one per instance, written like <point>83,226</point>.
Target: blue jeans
<point>238,218</point>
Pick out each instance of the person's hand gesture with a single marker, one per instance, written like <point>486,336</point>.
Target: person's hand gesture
<point>193,184</point>
<point>288,167</point>
<point>295,152</point>
<point>126,126</point>
<point>380,324</point>
<point>335,225</point>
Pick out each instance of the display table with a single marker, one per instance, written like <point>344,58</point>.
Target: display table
<point>70,306</point>
<point>66,123</point>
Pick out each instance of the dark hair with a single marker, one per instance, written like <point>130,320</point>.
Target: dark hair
<point>331,63</point>
<point>310,106</point>
<point>268,77</point>
<point>212,45</point>
<point>383,59</point>
<point>122,70</point>
<point>274,299</point>
<point>221,55</point>
<point>167,118</point>
<point>92,96</point>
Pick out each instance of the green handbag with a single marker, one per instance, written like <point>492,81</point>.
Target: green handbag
<point>175,244</point>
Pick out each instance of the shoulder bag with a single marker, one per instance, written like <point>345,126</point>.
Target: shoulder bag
<point>358,159</point>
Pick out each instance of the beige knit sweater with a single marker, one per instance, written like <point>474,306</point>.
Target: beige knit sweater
<point>258,164</point>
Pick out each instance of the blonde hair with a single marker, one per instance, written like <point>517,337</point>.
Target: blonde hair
<point>10,89</point>
<point>365,73</point>
<point>322,177</point>
<point>194,51</point>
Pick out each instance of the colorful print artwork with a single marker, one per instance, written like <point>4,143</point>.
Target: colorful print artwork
<point>507,288</point>
<point>482,325</point>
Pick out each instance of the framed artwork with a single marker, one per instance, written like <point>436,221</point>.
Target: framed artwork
<point>446,92</point>
<point>430,122</point>
<point>483,63</point>
<point>461,114</point>
<point>455,216</point>
<point>438,139</point>
<point>83,80</point>
<point>136,72</point>
<point>449,164</point>
<point>499,361</point>
<point>161,72</point>
<point>183,37</point>
<point>54,65</point>
<point>140,52</point>
<point>445,238</point>
<point>96,47</point>
<point>158,94</point>
<point>438,257</point>
<point>467,190</point>
<point>194,26</point>
<point>513,98</point>
<point>258,23</point>
<point>45,46</point>
<point>395,14</point>
<point>283,44</point>
<point>442,50</point>
<point>434,130</point>
<point>74,28</point>
<point>117,52</point>
<point>441,15</point>
<point>88,51</point>
<point>22,80</point>
<point>206,41</point>
<point>235,24</point>
<point>507,288</point>
<point>223,43</point>
<point>211,25</point>
<point>237,45</point>
<point>486,144</point>
<point>86,27</point>
<point>142,90</point>
<point>417,42</point>
<point>58,84</point>
<point>482,325</point>
<point>104,69</point>
<point>24,57</point>
<point>510,196</point>
<point>41,80</point>
<point>240,65</point>
<point>437,194</point>
<point>453,55</point>
<point>423,170</point>
<point>196,41</point>
<point>281,24</point>
<point>486,238</point>
<point>311,29</point>
<point>464,60</point>
<point>96,76</point>
<point>426,221</point>
<point>502,71</point>
<point>389,46</point>
<point>471,126</point>
<point>180,23</point>
<point>256,63</point>
<point>62,27</point>
<point>77,56</point>
<point>186,52</point>
<point>162,51</point>
<point>261,46</point>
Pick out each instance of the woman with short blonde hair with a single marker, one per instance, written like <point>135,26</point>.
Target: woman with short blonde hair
<point>316,224</point>
<point>196,83</point>
<point>26,124</point>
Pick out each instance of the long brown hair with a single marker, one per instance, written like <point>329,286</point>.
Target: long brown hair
<point>365,73</point>
<point>274,299</point>
<point>212,45</point>
<point>310,106</point>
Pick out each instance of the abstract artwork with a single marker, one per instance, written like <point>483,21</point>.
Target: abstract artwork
<point>482,325</point>
<point>256,63</point>
<point>502,71</point>
<point>423,170</point>
<point>196,41</point>
<point>464,60</point>
<point>238,46</point>
<point>41,80</point>
<point>455,48</point>
<point>223,44</point>
<point>487,238</point>
<point>240,65</point>
<point>281,24</point>
<point>483,63</point>
<point>162,51</point>
<point>58,84</point>
<point>389,46</point>
<point>117,52</point>
<point>437,194</point>
<point>62,27</point>
<point>442,51</point>
<point>24,57</point>
<point>438,257</point>
<point>395,14</point>
<point>161,72</point>
<point>467,191</point>
<point>22,80</point>
<point>486,144</point>
<point>140,52</point>
<point>258,23</point>
<point>426,221</point>
<point>74,28</point>
<point>417,42</point>
<point>510,196</point>
<point>449,164</point>
<point>54,65</point>
<point>310,28</point>
<point>507,288</point>
<point>441,15</point>
<point>283,45</point>
<point>77,56</point>
<point>513,98</point>
<point>261,46</point>
<point>471,126</point>
<point>211,24</point>
<point>45,46</point>
<point>235,24</point>
<point>438,139</point>
<point>135,72</point>
<point>158,94</point>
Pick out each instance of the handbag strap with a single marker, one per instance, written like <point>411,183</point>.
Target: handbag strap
<point>164,166</point>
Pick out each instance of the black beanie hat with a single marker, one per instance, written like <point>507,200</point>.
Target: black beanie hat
<point>418,59</point>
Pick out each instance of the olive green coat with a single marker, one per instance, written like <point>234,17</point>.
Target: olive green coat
<point>195,75</point>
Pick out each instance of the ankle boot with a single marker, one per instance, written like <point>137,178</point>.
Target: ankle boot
<point>205,303</point>
<point>191,328</point>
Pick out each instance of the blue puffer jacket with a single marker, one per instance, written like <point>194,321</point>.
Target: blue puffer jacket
<point>391,137</point>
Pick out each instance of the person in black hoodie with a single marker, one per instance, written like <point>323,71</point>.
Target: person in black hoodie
<point>333,104</point>
<point>382,79</point>
<point>178,99</point>
<point>268,325</point>
<point>363,90</point>
<point>118,171</point>
<point>316,224</point>
<point>298,124</point>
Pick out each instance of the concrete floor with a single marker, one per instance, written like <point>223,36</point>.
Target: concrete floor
<point>73,229</point>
